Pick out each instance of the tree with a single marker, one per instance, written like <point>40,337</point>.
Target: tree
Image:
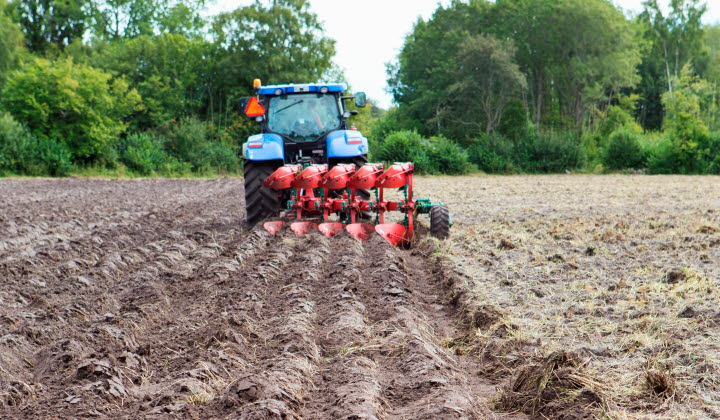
<point>420,78</point>
<point>486,80</point>
<point>51,24</point>
<point>10,44</point>
<point>674,41</point>
<point>75,104</point>
<point>683,120</point>
<point>597,56</point>
<point>278,41</point>
<point>575,54</point>
<point>169,71</point>
<point>115,19</point>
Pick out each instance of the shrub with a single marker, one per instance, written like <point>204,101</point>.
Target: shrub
<point>624,151</point>
<point>662,158</point>
<point>493,153</point>
<point>16,144</point>
<point>52,157</point>
<point>550,153</point>
<point>142,153</point>
<point>190,141</point>
<point>74,103</point>
<point>218,156</point>
<point>405,146</point>
<point>447,157</point>
<point>23,153</point>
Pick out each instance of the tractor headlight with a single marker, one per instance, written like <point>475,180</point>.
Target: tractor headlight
<point>278,92</point>
<point>324,89</point>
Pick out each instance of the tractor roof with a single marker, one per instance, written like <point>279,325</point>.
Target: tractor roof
<point>308,87</point>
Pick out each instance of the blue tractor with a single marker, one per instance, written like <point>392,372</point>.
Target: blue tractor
<point>300,124</point>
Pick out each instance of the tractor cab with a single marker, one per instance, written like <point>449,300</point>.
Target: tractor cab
<point>303,122</point>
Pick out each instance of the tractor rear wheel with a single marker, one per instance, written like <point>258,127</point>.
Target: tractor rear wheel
<point>260,202</point>
<point>440,222</point>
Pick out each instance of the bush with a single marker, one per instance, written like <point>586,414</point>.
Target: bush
<point>23,153</point>
<point>493,154</point>
<point>624,151</point>
<point>142,153</point>
<point>218,156</point>
<point>76,104</point>
<point>540,153</point>
<point>53,158</point>
<point>189,141</point>
<point>405,146</point>
<point>447,157</point>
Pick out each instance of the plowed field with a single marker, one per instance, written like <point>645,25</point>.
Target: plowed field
<point>559,296</point>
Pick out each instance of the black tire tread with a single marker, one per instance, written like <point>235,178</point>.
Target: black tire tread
<point>440,222</point>
<point>260,202</point>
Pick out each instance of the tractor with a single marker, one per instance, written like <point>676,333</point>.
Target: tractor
<point>311,168</point>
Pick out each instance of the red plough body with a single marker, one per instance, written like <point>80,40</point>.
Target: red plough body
<point>319,193</point>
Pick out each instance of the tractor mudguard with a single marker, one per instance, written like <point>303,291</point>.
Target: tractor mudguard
<point>346,143</point>
<point>265,146</point>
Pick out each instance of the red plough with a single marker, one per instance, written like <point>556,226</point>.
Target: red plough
<point>319,193</point>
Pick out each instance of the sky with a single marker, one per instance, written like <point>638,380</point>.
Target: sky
<point>370,33</point>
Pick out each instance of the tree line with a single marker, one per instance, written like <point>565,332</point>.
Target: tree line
<point>152,86</point>
<point>554,85</point>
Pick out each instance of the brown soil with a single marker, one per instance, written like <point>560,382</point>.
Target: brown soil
<point>146,298</point>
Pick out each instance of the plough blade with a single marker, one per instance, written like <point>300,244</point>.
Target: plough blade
<point>338,176</point>
<point>393,233</point>
<point>302,228</point>
<point>366,176</point>
<point>331,229</point>
<point>396,176</point>
<point>282,177</point>
<point>361,231</point>
<point>310,177</point>
<point>274,227</point>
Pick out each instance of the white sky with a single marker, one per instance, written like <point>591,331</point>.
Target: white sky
<point>370,33</point>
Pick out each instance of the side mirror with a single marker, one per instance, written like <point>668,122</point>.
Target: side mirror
<point>360,99</point>
<point>243,102</point>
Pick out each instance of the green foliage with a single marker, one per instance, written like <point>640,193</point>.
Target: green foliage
<point>573,55</point>
<point>670,42</point>
<point>624,151</point>
<point>190,141</point>
<point>493,153</point>
<point>550,153</point>
<point>436,155</point>
<point>21,152</point>
<point>51,25</point>
<point>447,157</point>
<point>144,154</point>
<point>486,80</point>
<point>118,19</point>
<point>689,148</point>
<point>405,146</point>
<point>534,153</point>
<point>77,104</point>
<point>10,45</point>
<point>278,42</point>
<point>167,70</point>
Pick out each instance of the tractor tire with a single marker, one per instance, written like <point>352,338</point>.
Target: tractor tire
<point>260,202</point>
<point>440,222</point>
